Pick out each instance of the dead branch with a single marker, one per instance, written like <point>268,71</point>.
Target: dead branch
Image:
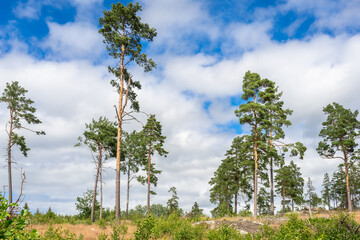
<point>14,209</point>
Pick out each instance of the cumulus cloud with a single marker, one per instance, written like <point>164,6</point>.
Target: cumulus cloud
<point>30,9</point>
<point>73,40</point>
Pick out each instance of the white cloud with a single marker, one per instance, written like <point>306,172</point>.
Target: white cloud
<point>249,36</point>
<point>30,9</point>
<point>337,16</point>
<point>75,40</point>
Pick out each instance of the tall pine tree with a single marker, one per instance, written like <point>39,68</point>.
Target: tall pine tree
<point>20,109</point>
<point>124,34</point>
<point>339,133</point>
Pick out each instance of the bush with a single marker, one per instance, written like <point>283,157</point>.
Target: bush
<point>144,228</point>
<point>13,226</point>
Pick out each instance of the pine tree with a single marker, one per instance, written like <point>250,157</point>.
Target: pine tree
<point>276,118</point>
<point>100,137</point>
<point>326,192</point>
<point>253,112</point>
<point>20,109</point>
<point>153,140</point>
<point>124,34</point>
<point>239,165</point>
<point>173,203</point>
<point>134,153</point>
<point>290,184</point>
<point>339,133</point>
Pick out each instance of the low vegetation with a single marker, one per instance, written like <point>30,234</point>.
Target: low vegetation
<point>175,227</point>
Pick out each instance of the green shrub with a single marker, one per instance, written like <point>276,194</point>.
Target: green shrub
<point>119,232</point>
<point>59,234</point>
<point>245,213</point>
<point>13,227</point>
<point>102,236</point>
<point>144,228</point>
<point>101,223</point>
<point>224,232</point>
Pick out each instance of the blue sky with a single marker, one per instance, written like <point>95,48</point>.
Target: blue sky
<point>203,49</point>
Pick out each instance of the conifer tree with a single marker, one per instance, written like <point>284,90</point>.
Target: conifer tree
<point>153,140</point>
<point>100,137</point>
<point>124,34</point>
<point>276,118</point>
<point>173,203</point>
<point>21,110</point>
<point>254,112</point>
<point>339,133</point>
<point>134,153</point>
<point>326,192</point>
<point>289,184</point>
<point>239,165</point>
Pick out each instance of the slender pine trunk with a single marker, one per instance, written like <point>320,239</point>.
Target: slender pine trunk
<point>9,155</point>
<point>283,188</point>
<point>95,187</point>
<point>101,193</point>
<point>148,190</point>
<point>128,189</point>
<point>255,173</point>
<point>347,183</point>
<point>118,148</point>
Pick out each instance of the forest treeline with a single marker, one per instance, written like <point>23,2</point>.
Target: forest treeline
<point>253,157</point>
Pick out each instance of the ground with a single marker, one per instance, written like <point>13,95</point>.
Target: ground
<point>245,225</point>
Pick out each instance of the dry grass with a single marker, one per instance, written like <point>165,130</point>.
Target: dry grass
<point>90,232</point>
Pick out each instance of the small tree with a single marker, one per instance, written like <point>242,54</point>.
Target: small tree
<point>84,204</point>
<point>134,153</point>
<point>100,137</point>
<point>196,211</point>
<point>153,140</point>
<point>326,192</point>
<point>310,193</point>
<point>124,34</point>
<point>339,133</point>
<point>173,203</point>
<point>20,109</point>
<point>290,184</point>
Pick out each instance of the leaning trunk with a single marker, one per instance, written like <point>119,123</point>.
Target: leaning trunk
<point>95,188</point>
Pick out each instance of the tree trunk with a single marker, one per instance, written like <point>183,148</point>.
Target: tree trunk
<point>235,207</point>
<point>148,191</point>
<point>101,193</point>
<point>9,155</point>
<point>292,204</point>
<point>255,173</point>
<point>272,207</point>
<point>347,183</point>
<point>95,187</point>
<point>118,148</point>
<point>128,189</point>
<point>283,187</point>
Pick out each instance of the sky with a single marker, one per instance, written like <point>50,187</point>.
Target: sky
<point>310,49</point>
